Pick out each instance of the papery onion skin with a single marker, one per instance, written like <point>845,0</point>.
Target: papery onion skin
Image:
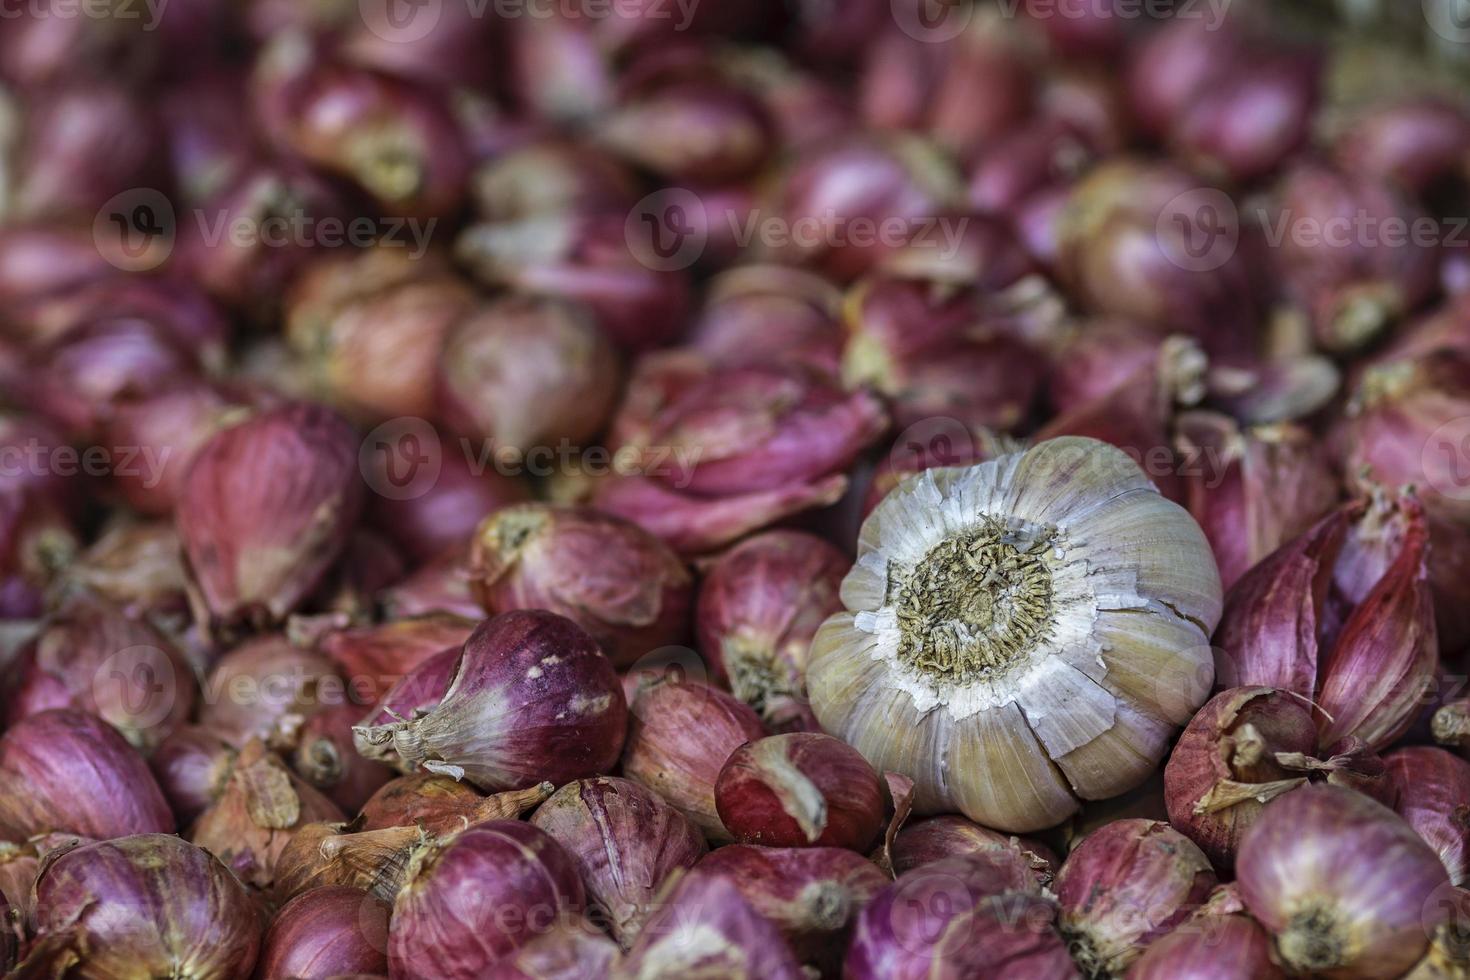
<point>1433,795</point>
<point>532,700</point>
<point>373,658</point>
<point>1124,886</point>
<point>252,687</point>
<point>802,789</point>
<point>1229,947</point>
<point>1341,883</point>
<point>960,914</point>
<point>477,897</point>
<point>265,509</point>
<point>439,804</point>
<point>941,837</point>
<point>680,737</point>
<point>759,605</point>
<point>416,693</point>
<point>324,755</point>
<point>68,771</point>
<point>570,952</point>
<point>148,904</point>
<point>609,576</point>
<point>812,894</point>
<point>626,842</point>
<point>327,932</point>
<point>706,928</point>
<point>1232,743</point>
<point>192,766</point>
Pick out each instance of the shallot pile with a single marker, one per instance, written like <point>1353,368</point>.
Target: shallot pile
<point>750,489</point>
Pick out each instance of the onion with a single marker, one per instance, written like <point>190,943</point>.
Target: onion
<point>71,772</point>
<point>439,804</point>
<point>1433,797</point>
<point>374,658</point>
<point>192,766</point>
<point>327,932</point>
<point>148,904</point>
<point>256,685</point>
<point>935,838</point>
<point>532,700</point>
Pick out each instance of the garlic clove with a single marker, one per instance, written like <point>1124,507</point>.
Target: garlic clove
<point>1021,789</point>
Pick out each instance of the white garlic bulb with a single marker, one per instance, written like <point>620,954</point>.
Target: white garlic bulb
<point>1022,634</point>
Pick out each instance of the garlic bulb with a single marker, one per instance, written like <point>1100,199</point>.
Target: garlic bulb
<point>1021,634</point>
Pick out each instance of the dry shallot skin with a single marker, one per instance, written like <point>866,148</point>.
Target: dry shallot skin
<point>896,677</point>
<point>527,372</point>
<point>812,894</point>
<point>759,312</point>
<point>569,952</point>
<point>705,927</point>
<point>262,805</point>
<point>327,932</point>
<point>1226,767</point>
<point>703,132</point>
<point>440,804</point>
<point>802,789</point>
<point>192,766</point>
<point>621,584</point>
<point>681,734</point>
<point>373,658</point>
<point>416,693</point>
<point>962,914</point>
<point>941,837</point>
<point>70,772</point>
<point>760,603</point>
<point>1433,796</point>
<point>1342,884</point>
<point>148,904</point>
<point>441,586</point>
<point>253,687</point>
<point>1126,885</point>
<point>532,699</point>
<point>1252,489</point>
<point>626,843</point>
<point>477,897</point>
<point>91,657</point>
<point>265,510</point>
<point>1226,947</point>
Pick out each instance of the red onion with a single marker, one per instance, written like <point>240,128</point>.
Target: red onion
<point>532,699</point>
<point>374,658</point>
<point>598,261</point>
<point>706,927</point>
<point>1414,143</point>
<point>559,72</point>
<point>569,952</point>
<point>1126,885</point>
<point>441,805</point>
<point>42,260</point>
<point>36,541</point>
<point>626,842</point>
<point>1171,68</point>
<point>812,894</point>
<point>91,657</point>
<point>446,47</point>
<point>425,525</point>
<point>527,373</point>
<point>413,695</point>
<point>682,734</point>
<point>440,587</point>
<point>49,42</point>
<point>192,766</point>
<point>753,311</point>
<point>150,904</point>
<point>256,685</point>
<point>759,605</point>
<point>265,509</point>
<point>207,147</point>
<point>961,914</point>
<point>262,805</point>
<point>1225,947</point>
<point>327,932</point>
<point>550,177</point>
<point>1433,788</point>
<point>804,789</point>
<point>322,753</point>
<point>950,836</point>
<point>477,897</point>
<point>612,578</point>
<point>702,132</point>
<point>392,137</point>
<point>71,772</point>
<point>1252,490</point>
<point>1026,162</point>
<point>1341,883</point>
